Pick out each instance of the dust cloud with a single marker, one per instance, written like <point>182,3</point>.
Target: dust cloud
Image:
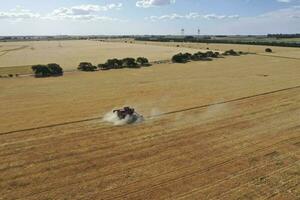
<point>113,118</point>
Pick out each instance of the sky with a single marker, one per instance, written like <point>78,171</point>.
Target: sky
<point>149,17</point>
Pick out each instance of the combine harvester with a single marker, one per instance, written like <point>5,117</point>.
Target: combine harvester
<point>128,115</point>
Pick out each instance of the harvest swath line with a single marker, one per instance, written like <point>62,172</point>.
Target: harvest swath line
<point>196,171</point>
<point>243,172</point>
<point>214,165</point>
<point>163,114</point>
<point>268,175</point>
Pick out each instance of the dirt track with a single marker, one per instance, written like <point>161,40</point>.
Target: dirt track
<point>227,129</point>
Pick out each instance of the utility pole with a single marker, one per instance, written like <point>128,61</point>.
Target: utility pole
<point>182,32</point>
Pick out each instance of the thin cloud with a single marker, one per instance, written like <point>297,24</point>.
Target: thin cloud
<point>19,13</point>
<point>83,12</point>
<point>192,15</point>
<point>153,3</point>
<point>291,12</point>
<point>284,1</point>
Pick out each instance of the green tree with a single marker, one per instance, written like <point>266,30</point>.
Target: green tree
<point>268,50</point>
<point>230,52</point>
<point>142,61</point>
<point>41,71</point>
<point>86,66</point>
<point>114,63</point>
<point>55,69</point>
<point>129,62</point>
<point>181,58</point>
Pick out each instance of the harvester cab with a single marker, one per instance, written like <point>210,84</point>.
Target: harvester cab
<point>126,111</point>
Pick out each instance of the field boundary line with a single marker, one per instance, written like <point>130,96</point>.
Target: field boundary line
<point>155,116</point>
<point>274,56</point>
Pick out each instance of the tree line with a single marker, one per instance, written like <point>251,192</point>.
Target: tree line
<point>115,64</point>
<point>297,35</point>
<point>54,69</point>
<point>202,56</point>
<point>219,41</point>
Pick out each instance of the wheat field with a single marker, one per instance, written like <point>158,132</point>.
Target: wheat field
<point>223,129</point>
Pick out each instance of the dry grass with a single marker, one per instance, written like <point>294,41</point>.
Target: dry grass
<point>242,149</point>
<point>15,70</point>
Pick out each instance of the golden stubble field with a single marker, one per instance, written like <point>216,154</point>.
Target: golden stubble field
<point>225,129</point>
<point>70,53</point>
<point>18,57</point>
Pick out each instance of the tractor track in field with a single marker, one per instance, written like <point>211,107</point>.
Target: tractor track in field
<point>6,51</point>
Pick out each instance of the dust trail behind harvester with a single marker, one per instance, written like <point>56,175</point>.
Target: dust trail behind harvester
<point>112,117</point>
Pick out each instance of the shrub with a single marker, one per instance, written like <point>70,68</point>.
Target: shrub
<point>198,56</point>
<point>55,69</point>
<point>87,67</point>
<point>51,69</point>
<point>205,56</point>
<point>230,52</point>
<point>10,75</point>
<point>181,58</point>
<point>143,61</point>
<point>103,67</point>
<point>111,64</point>
<point>202,56</point>
<point>268,50</point>
<point>216,54</point>
<point>41,70</point>
<point>188,56</point>
<point>209,54</point>
<point>129,62</point>
<point>114,63</point>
